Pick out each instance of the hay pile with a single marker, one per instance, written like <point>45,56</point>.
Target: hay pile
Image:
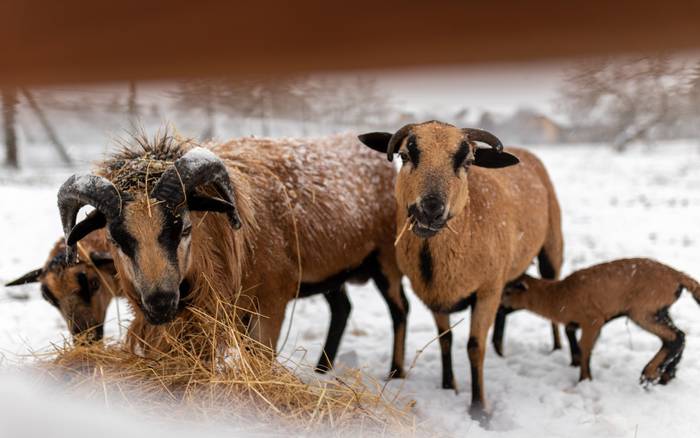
<point>244,386</point>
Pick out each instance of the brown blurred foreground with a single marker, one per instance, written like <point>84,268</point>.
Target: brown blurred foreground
<point>71,41</point>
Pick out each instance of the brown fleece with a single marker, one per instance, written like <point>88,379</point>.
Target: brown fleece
<point>328,194</point>
<point>502,219</point>
<point>641,289</point>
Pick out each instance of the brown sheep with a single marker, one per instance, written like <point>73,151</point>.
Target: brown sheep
<point>82,291</point>
<point>307,216</point>
<point>641,289</point>
<point>473,228</point>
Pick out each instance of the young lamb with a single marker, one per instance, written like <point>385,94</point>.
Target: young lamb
<point>641,289</point>
<point>82,291</point>
<point>251,222</point>
<point>474,227</point>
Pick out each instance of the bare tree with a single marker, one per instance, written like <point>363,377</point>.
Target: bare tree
<point>132,103</point>
<point>623,99</point>
<point>48,128</point>
<point>9,111</point>
<point>199,95</point>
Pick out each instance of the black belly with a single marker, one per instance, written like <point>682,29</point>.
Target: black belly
<point>457,306</point>
<point>363,272</point>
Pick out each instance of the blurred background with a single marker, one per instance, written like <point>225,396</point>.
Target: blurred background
<point>611,102</point>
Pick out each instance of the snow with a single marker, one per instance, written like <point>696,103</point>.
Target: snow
<point>645,203</point>
<point>202,155</point>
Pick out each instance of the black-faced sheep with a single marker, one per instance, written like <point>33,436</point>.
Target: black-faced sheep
<point>81,291</point>
<point>305,215</point>
<point>473,228</point>
<point>641,289</point>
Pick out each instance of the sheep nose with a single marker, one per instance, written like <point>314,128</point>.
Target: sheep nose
<point>433,207</point>
<point>161,306</point>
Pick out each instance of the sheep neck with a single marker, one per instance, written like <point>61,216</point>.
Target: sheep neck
<point>544,298</point>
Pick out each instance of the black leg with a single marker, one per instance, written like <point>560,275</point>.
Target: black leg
<point>396,300</point>
<point>340,311</point>
<point>442,321</point>
<point>573,344</point>
<point>499,329</point>
<point>555,337</point>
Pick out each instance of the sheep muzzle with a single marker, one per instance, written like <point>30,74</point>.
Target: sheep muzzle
<point>429,216</point>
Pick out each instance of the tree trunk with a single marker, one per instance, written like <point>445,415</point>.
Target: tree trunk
<point>50,133</point>
<point>9,111</point>
<point>133,107</point>
<point>210,115</point>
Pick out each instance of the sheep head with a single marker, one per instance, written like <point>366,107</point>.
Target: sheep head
<point>432,184</point>
<point>150,233</point>
<point>78,291</point>
<point>515,293</point>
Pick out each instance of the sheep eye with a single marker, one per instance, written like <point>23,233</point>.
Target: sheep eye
<point>86,289</point>
<point>404,157</point>
<point>94,284</point>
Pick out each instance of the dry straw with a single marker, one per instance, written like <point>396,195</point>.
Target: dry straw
<point>244,385</point>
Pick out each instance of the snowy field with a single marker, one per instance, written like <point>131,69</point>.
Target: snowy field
<point>643,203</point>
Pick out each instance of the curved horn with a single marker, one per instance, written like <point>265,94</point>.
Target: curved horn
<point>396,139</point>
<point>81,190</point>
<point>484,137</point>
<point>196,168</point>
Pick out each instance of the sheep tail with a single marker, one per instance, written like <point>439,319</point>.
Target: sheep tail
<point>691,285</point>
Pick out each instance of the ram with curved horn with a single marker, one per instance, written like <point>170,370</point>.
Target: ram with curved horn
<point>253,222</point>
<point>478,217</point>
<point>82,290</point>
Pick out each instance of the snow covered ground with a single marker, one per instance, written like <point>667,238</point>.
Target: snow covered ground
<point>643,203</point>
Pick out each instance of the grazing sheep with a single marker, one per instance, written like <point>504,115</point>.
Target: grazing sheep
<point>82,291</point>
<point>473,228</point>
<point>298,217</point>
<point>641,289</point>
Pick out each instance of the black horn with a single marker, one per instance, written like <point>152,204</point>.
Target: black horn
<point>484,137</point>
<point>81,190</point>
<point>198,167</point>
<point>396,140</point>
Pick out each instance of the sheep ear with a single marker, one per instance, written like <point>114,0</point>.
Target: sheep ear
<point>379,141</point>
<point>93,221</point>
<point>492,159</point>
<point>29,277</point>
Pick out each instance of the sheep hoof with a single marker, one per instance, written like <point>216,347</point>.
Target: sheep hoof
<point>498,347</point>
<point>450,384</point>
<point>646,381</point>
<point>478,412</point>
<point>667,377</point>
<point>397,373</point>
<point>322,368</point>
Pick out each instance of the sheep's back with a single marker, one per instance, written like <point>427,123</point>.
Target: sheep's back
<point>332,194</point>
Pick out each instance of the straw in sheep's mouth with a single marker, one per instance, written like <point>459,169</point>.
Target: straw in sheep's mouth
<point>424,231</point>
